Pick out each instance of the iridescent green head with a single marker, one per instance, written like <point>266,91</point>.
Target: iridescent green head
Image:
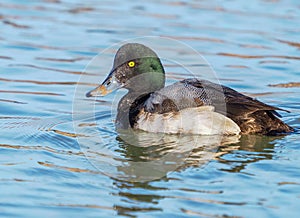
<point>136,68</point>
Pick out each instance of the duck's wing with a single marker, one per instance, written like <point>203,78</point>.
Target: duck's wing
<point>177,96</point>
<point>194,93</point>
<point>251,115</point>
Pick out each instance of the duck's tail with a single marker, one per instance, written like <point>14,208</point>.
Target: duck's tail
<point>276,125</point>
<point>263,122</point>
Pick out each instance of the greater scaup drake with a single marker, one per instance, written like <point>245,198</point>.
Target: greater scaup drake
<point>190,106</point>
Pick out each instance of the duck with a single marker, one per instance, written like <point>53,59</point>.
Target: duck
<point>189,106</point>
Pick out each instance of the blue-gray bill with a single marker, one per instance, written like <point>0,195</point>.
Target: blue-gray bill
<point>109,85</point>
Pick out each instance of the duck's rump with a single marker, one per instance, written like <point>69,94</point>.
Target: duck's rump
<point>251,115</point>
<point>257,121</point>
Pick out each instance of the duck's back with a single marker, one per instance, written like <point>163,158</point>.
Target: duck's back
<point>251,115</point>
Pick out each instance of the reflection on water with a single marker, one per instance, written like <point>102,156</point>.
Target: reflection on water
<point>143,157</point>
<point>254,148</point>
<point>50,169</point>
<point>142,166</point>
<point>241,152</point>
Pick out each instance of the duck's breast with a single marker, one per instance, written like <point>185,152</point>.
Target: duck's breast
<point>197,120</point>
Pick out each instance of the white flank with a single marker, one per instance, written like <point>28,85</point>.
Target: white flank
<point>198,120</point>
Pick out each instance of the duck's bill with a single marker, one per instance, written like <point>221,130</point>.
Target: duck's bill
<point>109,85</point>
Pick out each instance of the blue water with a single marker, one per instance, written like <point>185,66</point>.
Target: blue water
<point>60,154</point>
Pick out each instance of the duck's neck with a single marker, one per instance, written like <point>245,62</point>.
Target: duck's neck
<point>140,89</point>
<point>128,109</point>
<point>149,78</point>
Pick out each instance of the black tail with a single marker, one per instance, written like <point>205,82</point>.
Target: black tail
<point>262,122</point>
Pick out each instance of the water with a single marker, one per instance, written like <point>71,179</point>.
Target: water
<point>52,166</point>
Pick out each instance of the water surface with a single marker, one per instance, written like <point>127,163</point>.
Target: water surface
<point>46,170</point>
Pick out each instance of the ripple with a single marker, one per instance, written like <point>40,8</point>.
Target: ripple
<point>257,56</point>
<point>61,59</point>
<point>6,57</point>
<point>70,169</point>
<point>48,68</point>
<point>195,38</point>
<point>31,93</point>
<point>13,101</point>
<point>203,200</point>
<point>122,210</point>
<point>286,85</point>
<point>68,134</point>
<point>267,94</point>
<point>13,24</point>
<point>46,83</point>
<point>16,180</point>
<point>237,66</point>
<point>202,214</point>
<point>288,183</point>
<point>92,206</point>
<point>81,10</point>
<point>220,9</point>
<point>40,148</point>
<point>294,44</point>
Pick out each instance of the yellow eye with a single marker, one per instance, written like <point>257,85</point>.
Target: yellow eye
<point>131,64</point>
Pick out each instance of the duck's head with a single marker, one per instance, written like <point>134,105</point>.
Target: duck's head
<point>136,68</point>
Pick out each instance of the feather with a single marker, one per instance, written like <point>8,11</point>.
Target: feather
<point>197,120</point>
<point>250,114</point>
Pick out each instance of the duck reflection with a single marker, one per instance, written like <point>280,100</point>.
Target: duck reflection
<point>152,156</point>
<point>136,156</point>
<point>249,149</point>
<point>184,152</point>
